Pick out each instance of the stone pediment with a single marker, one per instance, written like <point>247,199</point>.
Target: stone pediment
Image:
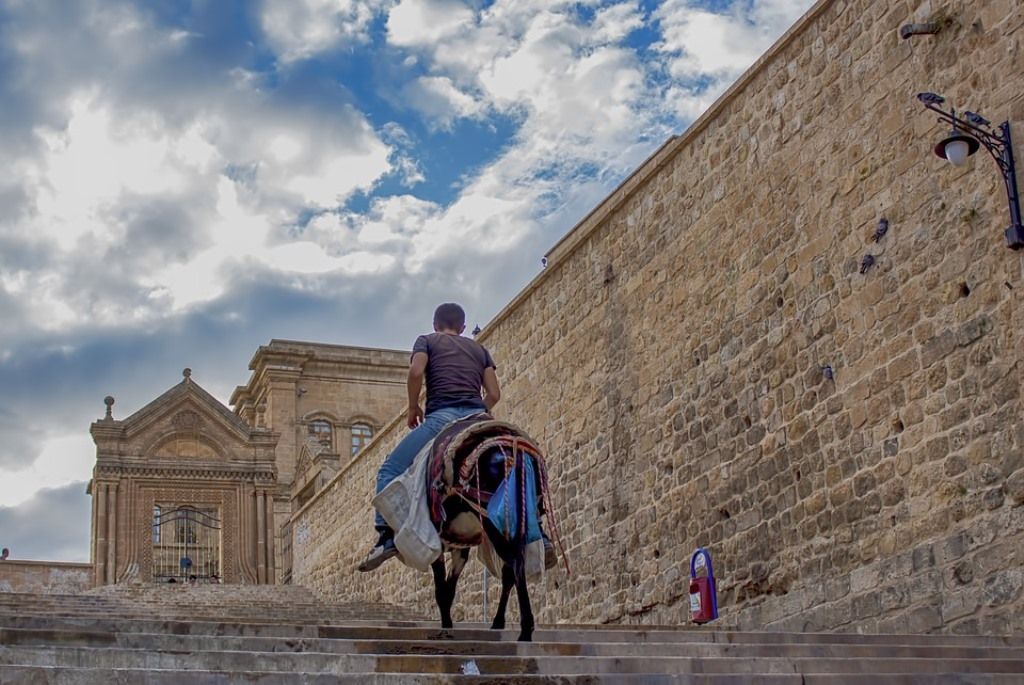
<point>184,424</point>
<point>187,406</point>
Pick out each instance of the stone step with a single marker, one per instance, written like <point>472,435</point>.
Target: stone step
<point>195,643</point>
<point>186,604</point>
<point>213,601</point>
<point>120,625</point>
<point>17,675</point>
<point>317,662</point>
<point>664,634</point>
<point>478,632</point>
<point>187,612</point>
<point>261,634</point>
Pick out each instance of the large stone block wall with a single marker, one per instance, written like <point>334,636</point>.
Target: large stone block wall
<point>45,577</point>
<point>670,358</point>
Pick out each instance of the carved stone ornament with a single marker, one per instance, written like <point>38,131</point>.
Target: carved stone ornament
<point>186,420</point>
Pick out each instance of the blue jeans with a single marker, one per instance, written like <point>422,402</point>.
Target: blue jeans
<point>402,457</point>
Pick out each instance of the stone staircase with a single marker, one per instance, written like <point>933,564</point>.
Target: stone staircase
<point>283,634</point>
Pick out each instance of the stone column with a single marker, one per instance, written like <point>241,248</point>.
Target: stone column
<point>268,515</point>
<point>111,534</point>
<point>100,572</point>
<point>261,539</point>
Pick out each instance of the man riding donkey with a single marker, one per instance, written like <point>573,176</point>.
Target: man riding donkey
<point>456,369</point>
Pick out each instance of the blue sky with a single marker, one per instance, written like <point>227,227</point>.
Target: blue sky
<point>183,181</point>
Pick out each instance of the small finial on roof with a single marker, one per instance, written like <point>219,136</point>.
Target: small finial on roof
<point>109,401</point>
<point>187,373</point>
<point>476,331</point>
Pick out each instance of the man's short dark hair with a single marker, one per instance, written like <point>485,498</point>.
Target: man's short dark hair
<point>449,316</point>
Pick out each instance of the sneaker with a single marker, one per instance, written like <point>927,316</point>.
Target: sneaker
<point>550,555</point>
<point>378,555</point>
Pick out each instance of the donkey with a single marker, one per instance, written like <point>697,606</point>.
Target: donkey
<point>464,526</point>
<point>472,462</point>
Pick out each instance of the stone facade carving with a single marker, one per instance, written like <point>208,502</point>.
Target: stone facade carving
<point>186,420</point>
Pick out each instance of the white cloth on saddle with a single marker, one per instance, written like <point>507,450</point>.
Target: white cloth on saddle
<point>404,505</point>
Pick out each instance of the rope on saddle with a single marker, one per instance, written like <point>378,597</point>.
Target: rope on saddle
<point>456,445</point>
<point>548,499</point>
<point>515,443</point>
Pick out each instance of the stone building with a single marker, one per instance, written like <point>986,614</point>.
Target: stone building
<point>185,486</point>
<point>709,359</point>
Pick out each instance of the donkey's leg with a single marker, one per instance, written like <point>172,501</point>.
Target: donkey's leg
<point>507,551</point>
<point>508,579</point>
<point>523,595</point>
<point>444,587</point>
<point>459,559</point>
<point>441,594</point>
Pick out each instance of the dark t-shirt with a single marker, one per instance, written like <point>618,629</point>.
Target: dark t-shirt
<point>455,370</point>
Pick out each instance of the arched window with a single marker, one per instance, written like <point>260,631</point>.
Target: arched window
<point>322,430</point>
<point>361,434</point>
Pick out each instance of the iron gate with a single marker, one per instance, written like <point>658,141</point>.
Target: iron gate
<point>186,543</point>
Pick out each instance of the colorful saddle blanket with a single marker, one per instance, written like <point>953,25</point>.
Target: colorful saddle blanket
<point>453,469</point>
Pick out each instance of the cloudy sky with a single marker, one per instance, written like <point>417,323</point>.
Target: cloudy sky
<point>181,181</point>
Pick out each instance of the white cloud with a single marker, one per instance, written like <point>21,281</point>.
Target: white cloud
<point>282,158</point>
<point>242,236</point>
<point>299,29</point>
<point>574,89</point>
<point>486,220</point>
<point>403,154</point>
<point>613,24</point>
<point>415,23</point>
<point>408,169</point>
<point>706,43</point>
<point>95,159</point>
<point>536,60</point>
<point>333,180</point>
<point>296,157</point>
<point>392,220</point>
<point>700,42</point>
<point>62,460</point>
<point>587,108</point>
<point>439,99</point>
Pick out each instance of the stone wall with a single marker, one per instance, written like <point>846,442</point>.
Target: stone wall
<point>672,357</point>
<point>47,577</point>
<point>333,531</point>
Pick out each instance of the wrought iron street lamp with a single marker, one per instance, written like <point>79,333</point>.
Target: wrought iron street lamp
<point>968,135</point>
